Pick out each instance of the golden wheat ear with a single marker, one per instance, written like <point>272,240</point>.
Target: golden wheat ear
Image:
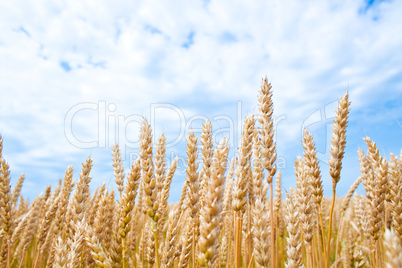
<point>118,169</point>
<point>338,144</point>
<point>393,249</point>
<point>100,257</point>
<point>147,166</point>
<point>211,212</point>
<point>172,235</point>
<point>164,195</point>
<point>206,155</point>
<point>76,244</point>
<point>127,205</point>
<point>6,208</point>
<point>378,170</point>
<point>293,247</point>
<point>268,147</point>
<point>160,164</point>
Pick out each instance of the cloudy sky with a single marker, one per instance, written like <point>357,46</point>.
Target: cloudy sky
<point>76,76</point>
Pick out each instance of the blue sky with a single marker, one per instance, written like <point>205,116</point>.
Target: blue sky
<point>82,71</point>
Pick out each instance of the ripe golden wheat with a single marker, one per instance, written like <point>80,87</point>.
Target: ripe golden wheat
<point>229,213</point>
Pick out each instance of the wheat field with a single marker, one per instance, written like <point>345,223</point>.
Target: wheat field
<point>230,213</point>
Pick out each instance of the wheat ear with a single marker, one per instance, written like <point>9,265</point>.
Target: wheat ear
<point>396,211</point>
<point>44,227</point>
<point>305,209</point>
<point>311,162</point>
<point>61,254</point>
<point>149,180</point>
<point>293,247</point>
<point>172,232</point>
<point>225,250</point>
<point>127,205</point>
<point>17,190</point>
<point>163,207</point>
<point>97,252</point>
<point>338,143</point>
<point>81,194</point>
<point>6,212</point>
<point>212,209</point>
<point>206,154</point>
<point>379,167</point>
<point>345,204</point>
<point>278,200</point>
<point>393,248</point>
<point>261,228</point>
<point>268,149</point>
<point>30,230</point>
<point>118,169</point>
<point>241,182</point>
<point>394,186</point>
<point>77,245</point>
<point>160,166</point>
<point>193,187</point>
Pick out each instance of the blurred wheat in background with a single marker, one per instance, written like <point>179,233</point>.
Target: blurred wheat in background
<point>230,213</point>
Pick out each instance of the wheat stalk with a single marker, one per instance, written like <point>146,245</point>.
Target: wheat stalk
<point>268,147</point>
<point>338,144</point>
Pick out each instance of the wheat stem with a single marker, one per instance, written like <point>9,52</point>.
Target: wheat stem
<point>156,244</point>
<point>193,249</point>
<point>322,235</point>
<point>272,225</point>
<point>239,218</point>
<point>123,243</point>
<point>251,261</point>
<point>8,252</point>
<point>330,223</point>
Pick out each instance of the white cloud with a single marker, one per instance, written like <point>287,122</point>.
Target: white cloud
<point>203,56</point>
